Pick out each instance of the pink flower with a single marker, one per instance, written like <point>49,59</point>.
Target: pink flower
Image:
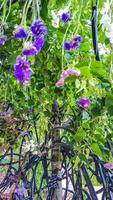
<point>60,83</point>
<point>70,72</point>
<point>75,72</point>
<point>65,74</point>
<point>108,166</point>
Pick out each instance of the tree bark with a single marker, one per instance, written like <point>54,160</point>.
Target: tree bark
<point>56,155</point>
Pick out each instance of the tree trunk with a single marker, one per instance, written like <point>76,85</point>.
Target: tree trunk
<point>56,155</point>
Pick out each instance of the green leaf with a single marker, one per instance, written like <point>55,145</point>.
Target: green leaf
<point>80,135</point>
<point>32,60</point>
<point>109,100</point>
<point>110,110</point>
<point>98,68</point>
<point>85,71</point>
<point>12,58</point>
<point>44,9</point>
<point>96,149</point>
<point>77,83</point>
<point>96,111</point>
<point>83,158</point>
<point>60,3</point>
<point>57,4</point>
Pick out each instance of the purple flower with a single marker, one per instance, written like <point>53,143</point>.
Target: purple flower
<point>30,111</point>
<point>67,46</point>
<point>38,28</point>
<point>75,45</point>
<point>22,70</point>
<point>29,50</point>
<point>78,39</point>
<point>20,33</point>
<point>5,114</point>
<point>22,75</point>
<point>24,133</point>
<point>27,185</point>
<point>22,62</point>
<point>71,45</point>
<point>84,103</point>
<point>39,43</point>
<point>20,190</point>
<point>65,17</point>
<point>3,39</point>
<point>4,26</point>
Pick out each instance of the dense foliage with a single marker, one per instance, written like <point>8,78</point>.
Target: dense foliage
<point>31,98</point>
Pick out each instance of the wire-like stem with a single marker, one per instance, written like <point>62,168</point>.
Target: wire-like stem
<point>34,10</point>
<point>62,61</point>
<point>38,8</point>
<point>75,31</point>
<point>4,11</point>
<point>111,68</point>
<point>23,14</point>
<point>1,6</point>
<point>8,10</point>
<point>6,88</point>
<point>25,11</point>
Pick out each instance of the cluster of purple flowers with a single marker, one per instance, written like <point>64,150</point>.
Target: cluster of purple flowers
<point>22,69</point>
<point>65,17</point>
<point>39,31</point>
<point>71,45</point>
